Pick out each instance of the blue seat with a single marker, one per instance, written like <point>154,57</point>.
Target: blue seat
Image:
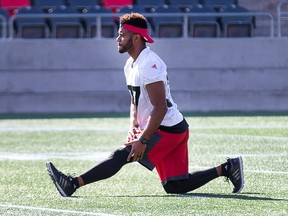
<point>150,5</point>
<point>132,8</point>
<point>203,26</point>
<point>219,5</point>
<point>83,4</point>
<point>183,4</point>
<point>48,5</point>
<point>168,26</point>
<point>66,26</point>
<point>108,25</point>
<point>27,25</point>
<point>237,25</point>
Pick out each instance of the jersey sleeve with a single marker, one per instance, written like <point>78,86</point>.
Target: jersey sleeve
<point>154,71</point>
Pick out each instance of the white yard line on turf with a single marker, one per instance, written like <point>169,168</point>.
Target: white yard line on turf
<point>53,210</point>
<point>266,172</point>
<point>60,129</point>
<point>49,156</point>
<point>15,128</point>
<point>245,170</point>
<point>240,127</point>
<point>233,136</point>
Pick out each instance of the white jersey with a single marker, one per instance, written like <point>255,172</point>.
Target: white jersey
<point>149,68</point>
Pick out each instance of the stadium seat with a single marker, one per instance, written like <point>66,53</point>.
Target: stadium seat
<point>183,4</point>
<point>150,5</point>
<point>83,4</point>
<point>237,26</point>
<point>3,19</point>
<point>132,8</point>
<point>108,26</point>
<point>48,5</point>
<point>167,26</point>
<point>30,27</point>
<point>67,26</point>
<point>203,26</point>
<point>218,4</point>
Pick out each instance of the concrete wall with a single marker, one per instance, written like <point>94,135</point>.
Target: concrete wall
<point>47,76</point>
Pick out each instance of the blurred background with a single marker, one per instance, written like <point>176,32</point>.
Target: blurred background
<point>60,56</point>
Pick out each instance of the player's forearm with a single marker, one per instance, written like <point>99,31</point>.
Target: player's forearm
<point>133,116</point>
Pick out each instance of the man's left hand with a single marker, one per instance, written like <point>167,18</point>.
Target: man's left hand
<point>137,150</point>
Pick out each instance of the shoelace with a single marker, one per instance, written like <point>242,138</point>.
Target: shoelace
<point>70,177</point>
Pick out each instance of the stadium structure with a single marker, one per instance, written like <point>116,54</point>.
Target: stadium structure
<point>60,56</point>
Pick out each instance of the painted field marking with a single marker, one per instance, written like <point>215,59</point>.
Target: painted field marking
<point>53,210</point>
<point>232,136</point>
<point>49,156</point>
<point>17,128</point>
<point>60,129</point>
<point>245,170</point>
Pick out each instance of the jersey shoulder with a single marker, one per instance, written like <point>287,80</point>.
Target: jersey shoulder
<point>152,65</point>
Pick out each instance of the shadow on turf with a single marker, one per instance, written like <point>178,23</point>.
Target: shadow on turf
<point>243,196</point>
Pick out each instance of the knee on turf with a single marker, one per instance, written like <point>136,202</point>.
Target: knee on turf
<point>172,187</point>
<point>169,187</point>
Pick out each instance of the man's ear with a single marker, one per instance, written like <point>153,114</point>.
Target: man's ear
<point>137,37</point>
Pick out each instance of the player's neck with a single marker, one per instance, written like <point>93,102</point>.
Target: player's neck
<point>136,51</point>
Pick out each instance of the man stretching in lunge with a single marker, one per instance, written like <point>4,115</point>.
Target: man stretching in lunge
<point>158,135</point>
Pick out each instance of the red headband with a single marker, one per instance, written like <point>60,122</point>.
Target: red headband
<point>143,32</point>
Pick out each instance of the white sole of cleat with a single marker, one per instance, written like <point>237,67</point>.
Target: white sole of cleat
<point>241,174</point>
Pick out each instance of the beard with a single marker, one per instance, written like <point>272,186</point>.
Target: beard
<point>126,47</point>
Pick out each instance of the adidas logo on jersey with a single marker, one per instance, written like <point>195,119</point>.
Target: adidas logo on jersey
<point>154,66</point>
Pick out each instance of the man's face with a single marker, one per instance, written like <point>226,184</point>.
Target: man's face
<point>124,40</point>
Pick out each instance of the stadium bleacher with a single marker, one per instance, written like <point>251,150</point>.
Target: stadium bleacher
<point>86,75</point>
<point>69,18</point>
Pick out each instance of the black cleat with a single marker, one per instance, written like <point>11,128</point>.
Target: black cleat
<point>64,183</point>
<point>235,173</point>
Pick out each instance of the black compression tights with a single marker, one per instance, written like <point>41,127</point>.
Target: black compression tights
<point>118,159</point>
<point>194,181</point>
<point>107,168</point>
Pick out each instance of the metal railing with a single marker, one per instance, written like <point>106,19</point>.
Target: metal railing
<point>98,19</point>
<point>280,15</point>
<point>3,27</point>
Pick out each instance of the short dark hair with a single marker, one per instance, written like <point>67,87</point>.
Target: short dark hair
<point>134,19</point>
